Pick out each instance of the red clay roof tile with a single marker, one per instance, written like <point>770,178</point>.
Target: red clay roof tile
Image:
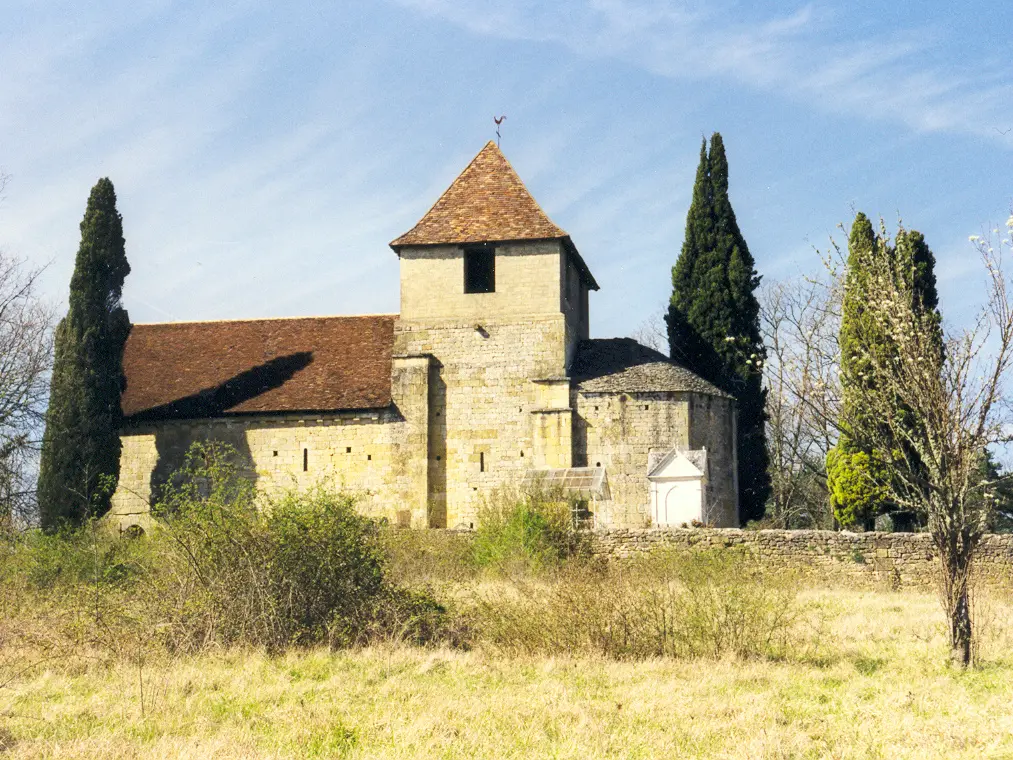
<point>487,202</point>
<point>211,369</point>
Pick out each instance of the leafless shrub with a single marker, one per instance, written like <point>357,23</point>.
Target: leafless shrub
<point>702,604</point>
<point>799,321</point>
<point>26,323</point>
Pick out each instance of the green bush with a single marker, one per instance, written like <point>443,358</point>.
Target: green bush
<point>69,558</point>
<point>296,570</point>
<point>526,530</point>
<point>729,603</point>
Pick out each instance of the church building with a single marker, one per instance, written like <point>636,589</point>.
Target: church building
<point>487,378</point>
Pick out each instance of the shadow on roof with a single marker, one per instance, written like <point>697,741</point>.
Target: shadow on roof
<point>608,356</point>
<point>217,400</point>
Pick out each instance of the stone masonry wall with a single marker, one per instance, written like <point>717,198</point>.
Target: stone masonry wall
<point>617,431</point>
<point>894,560</point>
<point>379,455</point>
<point>353,452</point>
<point>527,283</point>
<point>712,427</point>
<point>573,301</point>
<point>489,422</point>
<point>484,407</point>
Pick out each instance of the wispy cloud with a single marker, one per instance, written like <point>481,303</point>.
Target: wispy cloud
<point>803,55</point>
<point>264,158</point>
<point>219,222</point>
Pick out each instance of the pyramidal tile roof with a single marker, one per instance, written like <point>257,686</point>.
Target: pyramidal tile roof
<point>487,202</point>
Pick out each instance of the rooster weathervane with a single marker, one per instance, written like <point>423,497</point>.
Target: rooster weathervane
<point>499,120</point>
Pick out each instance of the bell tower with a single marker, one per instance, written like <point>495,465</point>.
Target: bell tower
<point>496,294</point>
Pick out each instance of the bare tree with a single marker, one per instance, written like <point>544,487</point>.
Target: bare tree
<point>799,321</point>
<point>26,329</point>
<point>938,414</point>
<point>653,332</point>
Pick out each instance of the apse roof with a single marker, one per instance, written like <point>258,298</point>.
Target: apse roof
<point>622,365</point>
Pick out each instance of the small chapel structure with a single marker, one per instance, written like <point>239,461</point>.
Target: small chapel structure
<point>486,378</point>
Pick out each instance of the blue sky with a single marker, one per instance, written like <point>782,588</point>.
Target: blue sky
<point>264,154</point>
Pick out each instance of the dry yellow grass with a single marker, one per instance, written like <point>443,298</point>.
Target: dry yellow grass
<point>879,688</point>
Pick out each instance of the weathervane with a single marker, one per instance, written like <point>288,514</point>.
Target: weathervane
<point>499,120</point>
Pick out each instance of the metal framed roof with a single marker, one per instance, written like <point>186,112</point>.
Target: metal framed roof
<point>591,482</point>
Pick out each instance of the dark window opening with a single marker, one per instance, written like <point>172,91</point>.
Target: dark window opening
<point>522,455</point>
<point>646,407</point>
<point>437,457</point>
<point>348,449</point>
<point>480,270</point>
<point>369,457</point>
<point>305,460</point>
<point>274,454</point>
<point>481,461</point>
<point>597,464</point>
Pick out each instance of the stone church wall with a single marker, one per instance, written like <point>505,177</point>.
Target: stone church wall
<point>353,453</point>
<point>527,283</point>
<point>617,431</point>
<point>380,456</point>
<point>712,427</point>
<point>486,414</point>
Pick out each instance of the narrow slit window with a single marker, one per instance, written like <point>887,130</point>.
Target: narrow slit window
<point>480,270</point>
<point>305,460</point>
<point>481,461</point>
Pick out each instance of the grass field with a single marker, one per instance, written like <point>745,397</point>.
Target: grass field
<point>876,686</point>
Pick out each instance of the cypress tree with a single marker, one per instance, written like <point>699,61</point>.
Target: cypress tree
<point>857,477</point>
<point>80,459</point>
<point>714,318</point>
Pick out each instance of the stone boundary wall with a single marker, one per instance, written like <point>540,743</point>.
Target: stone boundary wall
<point>894,560</point>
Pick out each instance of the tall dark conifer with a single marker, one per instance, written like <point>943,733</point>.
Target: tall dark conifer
<point>714,318</point>
<point>80,460</point>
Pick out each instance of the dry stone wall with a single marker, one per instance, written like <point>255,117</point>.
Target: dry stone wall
<point>894,560</point>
